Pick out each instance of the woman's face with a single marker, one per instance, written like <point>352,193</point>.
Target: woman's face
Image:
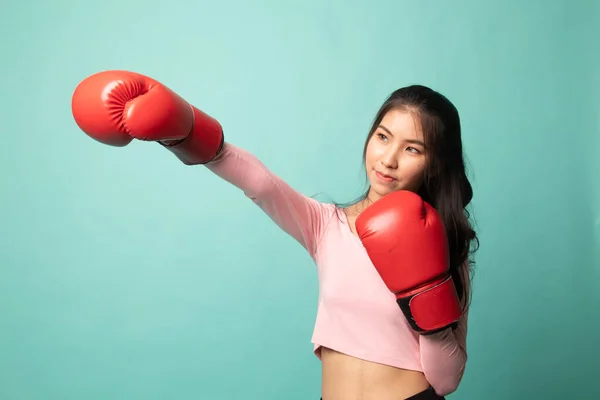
<point>395,155</point>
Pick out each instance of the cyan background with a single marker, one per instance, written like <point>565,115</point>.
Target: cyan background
<point>126,275</point>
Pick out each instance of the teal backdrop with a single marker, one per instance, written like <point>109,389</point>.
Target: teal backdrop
<point>127,275</point>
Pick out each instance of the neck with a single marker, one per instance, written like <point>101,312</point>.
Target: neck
<point>364,203</point>
<point>371,198</point>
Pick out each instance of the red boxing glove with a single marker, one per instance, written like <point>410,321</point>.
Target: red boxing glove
<point>115,107</point>
<point>406,241</point>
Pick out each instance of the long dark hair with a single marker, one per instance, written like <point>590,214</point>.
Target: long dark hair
<point>446,185</point>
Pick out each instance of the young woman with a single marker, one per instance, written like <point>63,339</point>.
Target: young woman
<point>372,342</point>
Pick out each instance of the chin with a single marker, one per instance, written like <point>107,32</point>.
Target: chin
<point>381,190</point>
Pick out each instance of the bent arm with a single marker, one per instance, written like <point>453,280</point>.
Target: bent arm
<point>444,354</point>
<point>300,216</point>
<point>444,357</point>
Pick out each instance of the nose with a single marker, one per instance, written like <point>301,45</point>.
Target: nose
<point>390,158</point>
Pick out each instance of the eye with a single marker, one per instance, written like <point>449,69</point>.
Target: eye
<point>381,136</point>
<point>413,150</point>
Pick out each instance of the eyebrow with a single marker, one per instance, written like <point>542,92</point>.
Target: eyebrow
<point>414,141</point>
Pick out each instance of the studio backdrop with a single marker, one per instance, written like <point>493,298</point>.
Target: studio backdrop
<point>125,274</point>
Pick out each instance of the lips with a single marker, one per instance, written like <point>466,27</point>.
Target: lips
<point>384,177</point>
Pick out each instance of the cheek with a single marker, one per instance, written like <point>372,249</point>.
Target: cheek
<point>416,168</point>
<point>419,172</point>
<point>373,151</point>
<point>369,154</point>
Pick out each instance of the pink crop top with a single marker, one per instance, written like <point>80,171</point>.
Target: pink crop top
<point>357,314</point>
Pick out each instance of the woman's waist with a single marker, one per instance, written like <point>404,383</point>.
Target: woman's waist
<point>352,378</point>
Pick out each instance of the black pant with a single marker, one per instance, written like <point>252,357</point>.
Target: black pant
<point>427,394</point>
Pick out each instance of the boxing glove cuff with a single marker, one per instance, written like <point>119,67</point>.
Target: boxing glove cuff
<point>434,309</point>
<point>204,142</point>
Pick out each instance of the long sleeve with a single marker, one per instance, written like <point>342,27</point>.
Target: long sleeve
<point>444,355</point>
<point>300,216</point>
